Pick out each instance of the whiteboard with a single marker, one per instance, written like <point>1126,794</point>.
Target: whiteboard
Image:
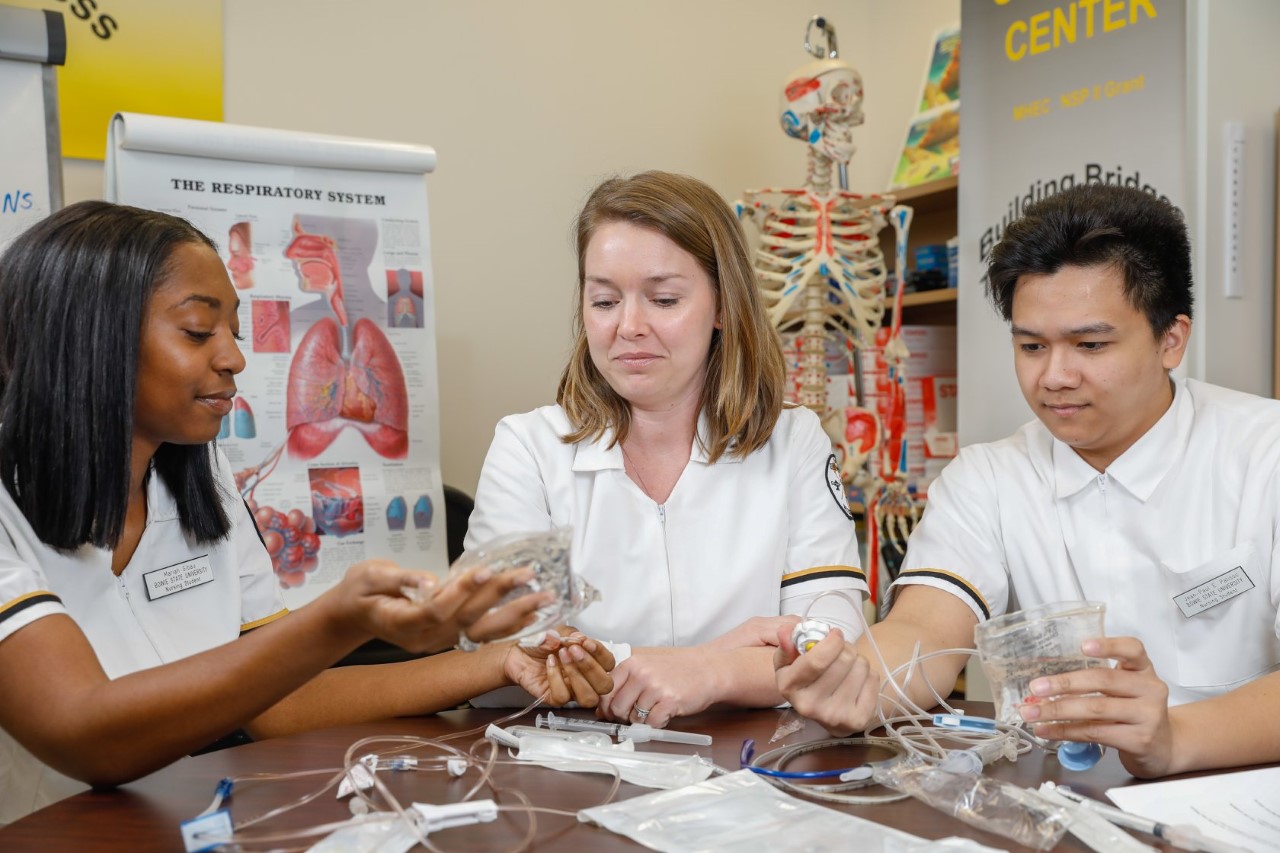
<point>26,195</point>
<point>30,166</point>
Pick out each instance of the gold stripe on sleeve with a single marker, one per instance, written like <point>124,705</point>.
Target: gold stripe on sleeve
<point>959,581</point>
<point>823,572</point>
<point>30,599</point>
<point>258,623</point>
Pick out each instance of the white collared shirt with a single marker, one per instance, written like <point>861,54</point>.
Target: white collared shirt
<point>759,536</point>
<point>128,621</point>
<point>1185,517</point>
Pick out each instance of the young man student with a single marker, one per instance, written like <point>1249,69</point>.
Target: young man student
<point>1156,496</point>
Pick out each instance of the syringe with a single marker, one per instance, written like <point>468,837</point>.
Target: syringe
<point>638,733</point>
<point>1183,836</point>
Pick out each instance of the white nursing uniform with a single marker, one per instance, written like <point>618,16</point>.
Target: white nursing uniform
<point>1178,537</point>
<point>759,536</point>
<point>174,599</point>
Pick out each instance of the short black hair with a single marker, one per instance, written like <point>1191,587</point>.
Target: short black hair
<point>1142,235</point>
<point>74,290</point>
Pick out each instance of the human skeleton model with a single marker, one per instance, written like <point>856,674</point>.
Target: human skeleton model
<point>821,273</point>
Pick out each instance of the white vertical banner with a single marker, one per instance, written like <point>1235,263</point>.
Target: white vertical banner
<point>335,434</point>
<point>32,42</point>
<point>24,168</point>
<point>1056,94</point>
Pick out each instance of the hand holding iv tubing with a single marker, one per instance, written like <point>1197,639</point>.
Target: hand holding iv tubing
<point>836,685</point>
<point>905,725</point>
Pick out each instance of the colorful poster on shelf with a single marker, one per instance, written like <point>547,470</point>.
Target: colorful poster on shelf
<point>931,149</point>
<point>334,435</point>
<point>1057,95</point>
<point>942,77</point>
<point>147,56</point>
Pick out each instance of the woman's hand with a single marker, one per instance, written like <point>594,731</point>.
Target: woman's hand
<point>666,682</point>
<point>1126,708</point>
<point>569,667</point>
<point>756,631</point>
<point>418,612</point>
<point>831,683</point>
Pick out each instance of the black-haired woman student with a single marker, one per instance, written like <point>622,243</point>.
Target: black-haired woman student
<point>118,357</point>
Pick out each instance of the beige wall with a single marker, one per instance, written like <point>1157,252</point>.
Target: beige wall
<point>1234,78</point>
<point>529,105</point>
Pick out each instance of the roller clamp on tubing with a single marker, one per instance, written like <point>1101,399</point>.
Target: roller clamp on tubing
<point>808,633</point>
<point>965,722</point>
<point>435,818</point>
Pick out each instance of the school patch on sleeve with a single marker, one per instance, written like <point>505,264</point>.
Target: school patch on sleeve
<point>831,473</point>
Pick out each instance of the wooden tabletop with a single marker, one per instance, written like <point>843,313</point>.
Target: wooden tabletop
<point>144,815</point>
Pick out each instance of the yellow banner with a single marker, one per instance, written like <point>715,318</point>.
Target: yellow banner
<point>146,56</point>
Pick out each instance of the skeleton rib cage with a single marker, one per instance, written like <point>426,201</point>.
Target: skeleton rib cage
<point>821,273</point>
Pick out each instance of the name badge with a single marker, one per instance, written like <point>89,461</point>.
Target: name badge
<point>1213,592</point>
<point>179,576</point>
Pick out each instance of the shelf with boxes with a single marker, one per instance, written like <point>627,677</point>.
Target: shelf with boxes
<point>933,226</point>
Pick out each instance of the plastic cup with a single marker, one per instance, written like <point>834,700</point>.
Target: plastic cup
<point>547,554</point>
<point>1019,647</point>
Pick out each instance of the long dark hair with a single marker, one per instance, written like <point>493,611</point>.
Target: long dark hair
<point>74,290</point>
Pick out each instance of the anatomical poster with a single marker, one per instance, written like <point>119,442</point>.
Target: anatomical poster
<point>334,434</point>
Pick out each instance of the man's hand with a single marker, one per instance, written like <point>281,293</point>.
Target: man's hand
<point>831,683</point>
<point>565,668</point>
<point>1126,708</point>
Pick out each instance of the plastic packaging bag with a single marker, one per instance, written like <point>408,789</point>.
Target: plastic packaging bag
<point>981,802</point>
<point>740,812</point>
<point>648,769</point>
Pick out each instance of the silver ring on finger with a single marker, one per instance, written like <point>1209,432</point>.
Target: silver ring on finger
<point>641,714</point>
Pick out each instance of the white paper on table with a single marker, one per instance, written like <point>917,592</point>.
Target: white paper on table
<point>1241,808</point>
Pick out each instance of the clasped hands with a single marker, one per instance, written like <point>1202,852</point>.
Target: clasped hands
<point>657,684</point>
<point>1125,707</point>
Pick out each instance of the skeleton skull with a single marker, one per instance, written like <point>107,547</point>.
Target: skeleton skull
<point>821,103</point>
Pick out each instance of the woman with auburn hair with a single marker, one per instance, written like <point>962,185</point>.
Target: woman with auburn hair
<point>140,617</point>
<point>700,505</point>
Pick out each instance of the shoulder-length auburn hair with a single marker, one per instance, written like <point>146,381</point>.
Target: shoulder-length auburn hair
<point>74,291</point>
<point>743,392</point>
